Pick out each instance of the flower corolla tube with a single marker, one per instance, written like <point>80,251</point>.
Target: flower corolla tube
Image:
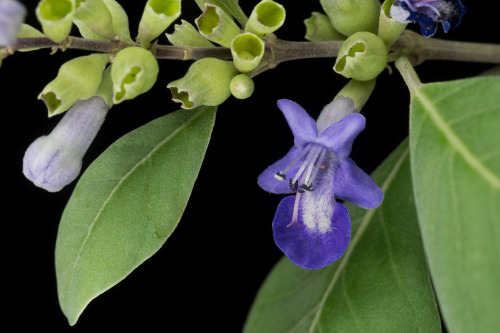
<point>311,227</point>
<point>12,15</point>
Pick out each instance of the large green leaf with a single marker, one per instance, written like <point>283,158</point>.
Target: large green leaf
<point>381,284</point>
<point>127,204</point>
<point>455,159</point>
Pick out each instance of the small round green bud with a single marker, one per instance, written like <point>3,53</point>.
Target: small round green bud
<point>185,34</point>
<point>362,57</point>
<point>56,18</point>
<point>217,26</point>
<point>388,28</point>
<point>96,16</point>
<point>205,83</point>
<point>242,86</point>
<point>350,16</point>
<point>157,16</point>
<point>247,50</point>
<point>319,28</point>
<point>134,71</point>
<point>267,17</point>
<point>77,79</point>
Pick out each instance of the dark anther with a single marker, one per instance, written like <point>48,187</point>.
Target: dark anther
<point>280,176</point>
<point>293,186</point>
<point>304,188</point>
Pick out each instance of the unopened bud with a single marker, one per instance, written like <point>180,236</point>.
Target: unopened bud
<point>242,86</point>
<point>350,16</point>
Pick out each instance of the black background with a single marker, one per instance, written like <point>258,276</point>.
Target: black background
<point>206,275</point>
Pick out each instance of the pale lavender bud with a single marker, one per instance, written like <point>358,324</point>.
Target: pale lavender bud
<point>12,15</point>
<point>55,160</point>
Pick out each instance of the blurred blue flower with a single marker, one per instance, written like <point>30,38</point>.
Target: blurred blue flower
<point>53,161</point>
<point>428,13</point>
<point>12,15</point>
<point>312,228</point>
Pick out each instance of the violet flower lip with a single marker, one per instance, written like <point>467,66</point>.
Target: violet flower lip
<point>12,15</point>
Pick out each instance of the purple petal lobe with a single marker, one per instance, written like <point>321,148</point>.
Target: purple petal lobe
<point>352,184</point>
<point>340,136</point>
<point>267,179</point>
<point>302,125</point>
<point>12,15</point>
<point>311,248</point>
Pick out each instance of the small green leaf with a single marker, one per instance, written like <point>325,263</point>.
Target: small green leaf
<point>455,150</point>
<point>127,204</point>
<point>381,284</point>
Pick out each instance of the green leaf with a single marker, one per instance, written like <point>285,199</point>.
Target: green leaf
<point>381,284</point>
<point>455,159</point>
<point>126,205</point>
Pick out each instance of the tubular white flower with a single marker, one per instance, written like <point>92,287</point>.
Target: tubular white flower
<point>12,15</point>
<point>53,161</point>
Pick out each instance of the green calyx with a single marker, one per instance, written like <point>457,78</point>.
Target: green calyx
<point>351,16</point>
<point>319,29</point>
<point>389,29</point>
<point>96,16</point>
<point>207,82</point>
<point>267,17</point>
<point>56,18</point>
<point>157,16</point>
<point>242,86</point>
<point>217,26</point>
<point>247,50</point>
<point>185,34</point>
<point>362,56</point>
<point>77,79</point>
<point>134,72</point>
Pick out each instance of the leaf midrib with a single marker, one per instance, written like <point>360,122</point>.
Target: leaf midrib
<point>361,230</point>
<point>120,182</point>
<point>454,141</point>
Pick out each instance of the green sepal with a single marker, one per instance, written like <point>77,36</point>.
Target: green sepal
<point>358,91</point>
<point>96,16</point>
<point>77,79</point>
<point>185,34</point>
<point>217,26</point>
<point>389,29</point>
<point>231,7</point>
<point>56,18</point>
<point>362,56</point>
<point>105,91</point>
<point>247,50</point>
<point>319,28</point>
<point>350,16</point>
<point>206,82</point>
<point>27,31</point>
<point>267,16</point>
<point>242,86</point>
<point>157,16</point>
<point>134,72</point>
<point>119,19</point>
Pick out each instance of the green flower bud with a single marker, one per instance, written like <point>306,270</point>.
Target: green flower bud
<point>56,18</point>
<point>205,83</point>
<point>96,16</point>
<point>267,17</point>
<point>217,26</point>
<point>27,31</point>
<point>119,19</point>
<point>242,86</point>
<point>134,71</point>
<point>389,29</point>
<point>350,16</point>
<point>77,79</point>
<point>247,50</point>
<point>319,28</point>
<point>362,57</point>
<point>185,34</point>
<point>157,16</point>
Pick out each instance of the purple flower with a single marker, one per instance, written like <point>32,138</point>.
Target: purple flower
<point>312,228</point>
<point>428,13</point>
<point>12,15</point>
<point>53,161</point>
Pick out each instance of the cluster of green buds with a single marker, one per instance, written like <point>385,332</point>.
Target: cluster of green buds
<point>368,32</point>
<point>212,81</point>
